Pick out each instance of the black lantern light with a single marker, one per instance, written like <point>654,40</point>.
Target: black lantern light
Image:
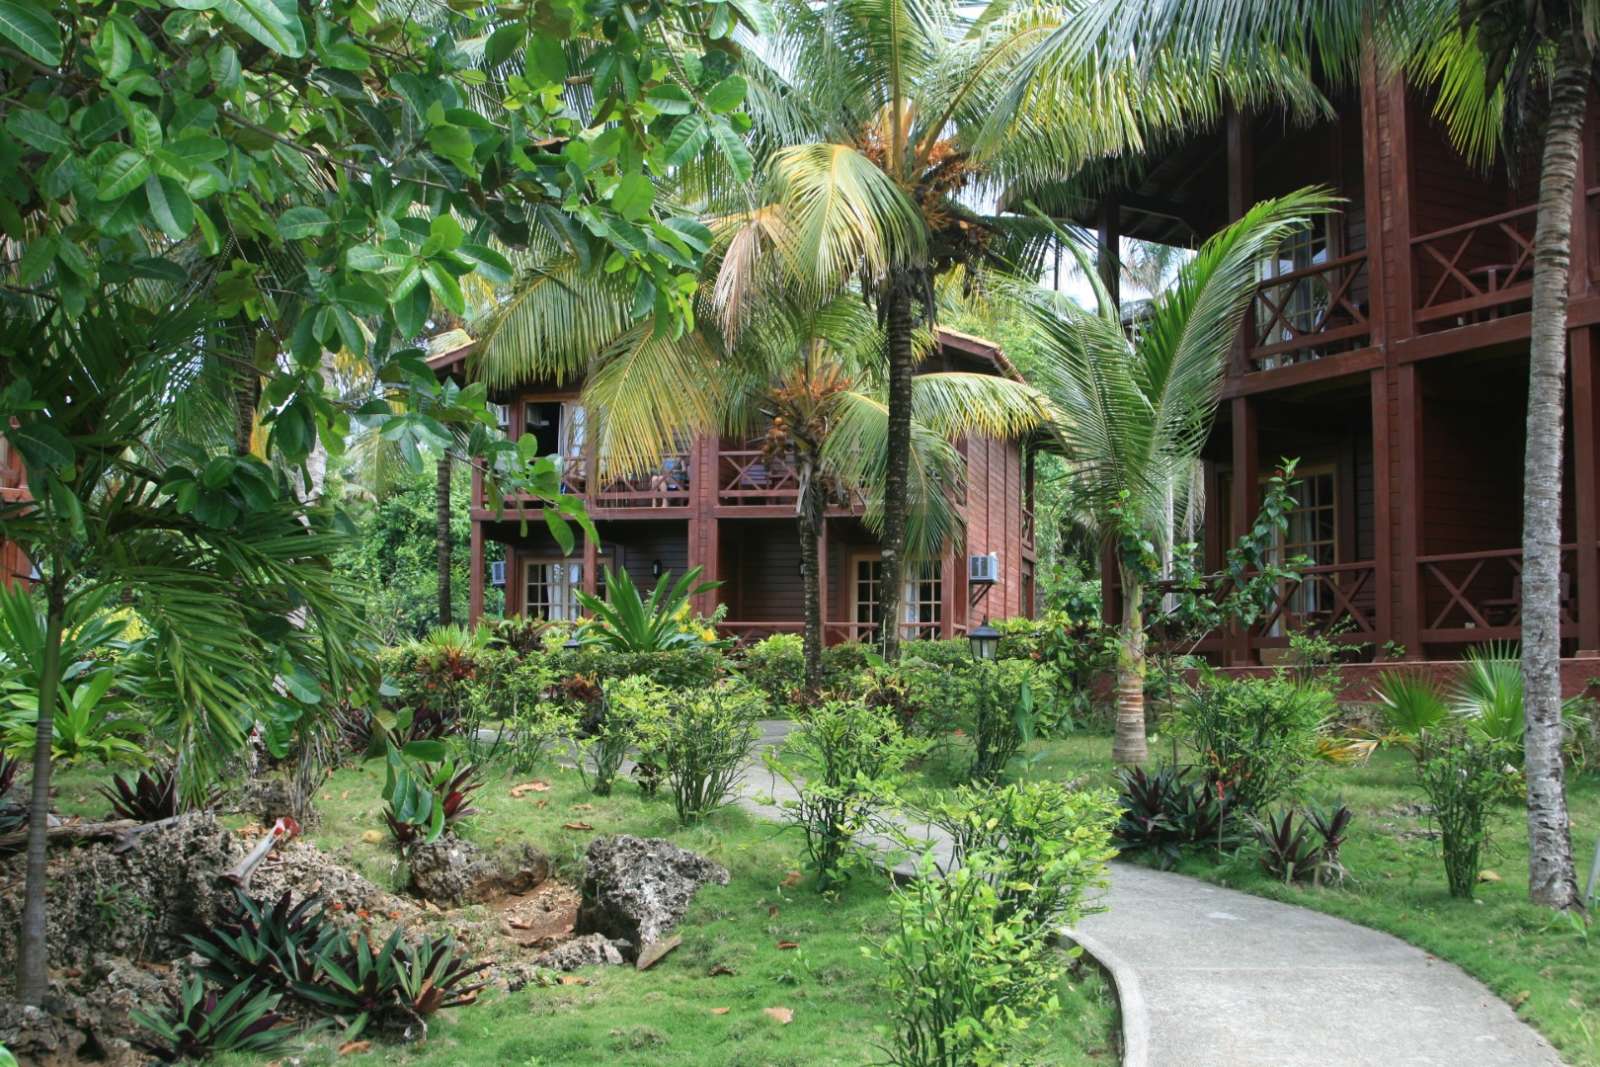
<point>572,643</point>
<point>655,568</point>
<point>984,639</point>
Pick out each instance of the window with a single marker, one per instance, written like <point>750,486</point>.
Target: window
<point>1314,534</point>
<point>922,598</point>
<point>1298,305</point>
<point>561,430</point>
<point>548,587</point>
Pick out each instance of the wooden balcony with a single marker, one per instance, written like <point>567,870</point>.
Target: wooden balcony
<point>1336,598</point>
<point>1475,272</point>
<point>1477,596</point>
<point>670,486</point>
<point>749,477</point>
<point>1311,313</point>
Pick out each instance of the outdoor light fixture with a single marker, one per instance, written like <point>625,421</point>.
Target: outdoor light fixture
<point>655,568</point>
<point>572,643</point>
<point>984,639</point>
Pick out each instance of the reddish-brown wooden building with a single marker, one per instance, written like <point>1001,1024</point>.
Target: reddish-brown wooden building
<point>729,508</point>
<point>14,564</point>
<point>1387,350</point>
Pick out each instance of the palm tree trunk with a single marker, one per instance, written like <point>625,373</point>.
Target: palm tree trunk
<point>246,394</point>
<point>808,520</point>
<point>896,485</point>
<point>1130,746</point>
<point>1552,876</point>
<point>441,535</point>
<point>33,977</point>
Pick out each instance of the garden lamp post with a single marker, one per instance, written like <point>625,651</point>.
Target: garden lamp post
<point>985,640</point>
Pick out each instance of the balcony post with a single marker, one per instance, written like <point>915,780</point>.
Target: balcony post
<point>1585,482</point>
<point>475,585</point>
<point>705,474</point>
<point>1383,578</point>
<point>1409,491</point>
<point>1109,251</point>
<point>822,576</point>
<point>1246,494</point>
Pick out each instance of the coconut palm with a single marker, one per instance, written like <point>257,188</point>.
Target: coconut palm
<point>880,125</point>
<point>1507,72</point>
<point>1134,408</point>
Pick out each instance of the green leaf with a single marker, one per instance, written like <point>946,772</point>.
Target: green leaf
<point>633,197</point>
<point>34,129</point>
<point>143,127</point>
<point>444,287</point>
<point>447,231</point>
<point>300,222</point>
<point>726,95</point>
<point>503,43</point>
<point>688,136</point>
<point>126,172</point>
<point>733,149</point>
<point>364,258</point>
<point>32,29</point>
<point>560,531</point>
<point>547,60</point>
<point>275,23</point>
<point>669,99</point>
<point>37,259</point>
<point>169,206</point>
<point>489,263</point>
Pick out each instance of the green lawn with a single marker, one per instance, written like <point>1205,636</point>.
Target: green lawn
<point>1540,964</point>
<point>665,1016</point>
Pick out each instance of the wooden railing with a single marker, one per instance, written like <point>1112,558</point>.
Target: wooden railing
<point>1028,524</point>
<point>1310,313</point>
<point>1476,271</point>
<point>751,477</point>
<point>1477,596</point>
<point>668,487</point>
<point>1334,598</point>
<point>747,631</point>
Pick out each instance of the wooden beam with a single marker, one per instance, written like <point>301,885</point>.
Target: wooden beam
<point>1378,295</point>
<point>1109,247</point>
<point>1397,253</point>
<point>1385,590</point>
<point>1329,368</point>
<point>1409,501</point>
<point>1585,484</point>
<point>1241,163</point>
<point>475,585</point>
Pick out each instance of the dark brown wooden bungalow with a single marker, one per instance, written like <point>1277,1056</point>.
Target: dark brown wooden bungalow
<point>1387,349</point>
<point>727,507</point>
<point>14,563</point>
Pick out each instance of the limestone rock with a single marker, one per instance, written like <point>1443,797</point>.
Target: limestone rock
<point>590,950</point>
<point>451,872</point>
<point>136,903</point>
<point>637,889</point>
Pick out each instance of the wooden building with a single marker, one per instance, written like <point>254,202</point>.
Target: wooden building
<point>14,563</point>
<point>1386,349</point>
<point>728,507</point>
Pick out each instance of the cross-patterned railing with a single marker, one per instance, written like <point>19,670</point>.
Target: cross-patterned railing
<point>1333,598</point>
<point>1476,271</point>
<point>1478,595</point>
<point>667,487</point>
<point>753,477</point>
<point>1310,313</point>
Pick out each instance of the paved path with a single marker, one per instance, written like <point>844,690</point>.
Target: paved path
<point>1211,977</point>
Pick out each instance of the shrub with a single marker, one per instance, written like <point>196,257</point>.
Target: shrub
<point>1162,814</point>
<point>1289,852</point>
<point>964,977</point>
<point>1002,721</point>
<point>702,746</point>
<point>690,667</point>
<point>149,796</point>
<point>275,946</point>
<point>423,800</point>
<point>629,710</point>
<point>625,621</point>
<point>847,761</point>
<point>198,1023</point>
<point>1462,775</point>
<point>1255,737</point>
<point>842,662</point>
<point>777,666</point>
<point>1046,846</point>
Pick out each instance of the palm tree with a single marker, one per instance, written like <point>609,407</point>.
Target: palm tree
<point>1507,72</point>
<point>1135,407</point>
<point>217,564</point>
<point>879,125</point>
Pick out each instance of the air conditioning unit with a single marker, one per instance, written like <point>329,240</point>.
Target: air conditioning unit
<point>497,572</point>
<point>983,570</point>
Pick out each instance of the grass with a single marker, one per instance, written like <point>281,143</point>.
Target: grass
<point>665,1017</point>
<point>1545,965</point>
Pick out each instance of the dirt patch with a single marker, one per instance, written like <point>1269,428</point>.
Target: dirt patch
<point>541,918</point>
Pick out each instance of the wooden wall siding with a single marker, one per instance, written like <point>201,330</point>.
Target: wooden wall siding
<point>994,524</point>
<point>635,546</point>
<point>764,579</point>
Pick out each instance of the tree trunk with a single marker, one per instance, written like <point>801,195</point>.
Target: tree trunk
<point>33,977</point>
<point>441,534</point>
<point>808,520</point>
<point>896,487</point>
<point>246,394</point>
<point>1552,877</point>
<point>1129,746</point>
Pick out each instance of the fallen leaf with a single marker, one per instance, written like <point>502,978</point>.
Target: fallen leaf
<point>720,1011</point>
<point>583,807</point>
<point>781,1015</point>
<point>785,946</point>
<point>791,879</point>
<point>1521,998</point>
<point>572,979</point>
<point>576,826</point>
<point>1487,875</point>
<point>772,911</point>
<point>353,1048</point>
<point>719,970</point>
<point>345,795</point>
<point>373,837</point>
<point>651,954</point>
<point>536,786</point>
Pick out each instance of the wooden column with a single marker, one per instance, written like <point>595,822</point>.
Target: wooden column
<point>1399,299</point>
<point>1406,516</point>
<point>1216,507</point>
<point>475,596</point>
<point>591,564</point>
<point>1108,260</point>
<point>1585,481</point>
<point>1246,493</point>
<point>822,576</point>
<point>1372,192</point>
<point>1383,578</point>
<point>1241,163</point>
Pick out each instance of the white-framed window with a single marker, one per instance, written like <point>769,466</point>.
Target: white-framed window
<point>548,586</point>
<point>921,598</point>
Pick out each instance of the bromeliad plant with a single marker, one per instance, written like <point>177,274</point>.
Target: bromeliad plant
<point>397,985</point>
<point>628,622</point>
<point>1162,814</point>
<point>198,1023</point>
<point>276,946</point>
<point>425,799</point>
<point>148,796</point>
<point>1290,853</point>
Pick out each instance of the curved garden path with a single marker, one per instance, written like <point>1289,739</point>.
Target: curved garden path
<point>1211,977</point>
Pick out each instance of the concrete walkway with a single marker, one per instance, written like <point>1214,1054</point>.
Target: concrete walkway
<point>1211,977</point>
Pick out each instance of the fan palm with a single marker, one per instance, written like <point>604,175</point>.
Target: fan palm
<point>1135,408</point>
<point>228,571</point>
<point>879,124</point>
<point>1506,72</point>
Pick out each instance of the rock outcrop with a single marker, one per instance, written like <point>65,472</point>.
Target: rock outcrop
<point>637,889</point>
